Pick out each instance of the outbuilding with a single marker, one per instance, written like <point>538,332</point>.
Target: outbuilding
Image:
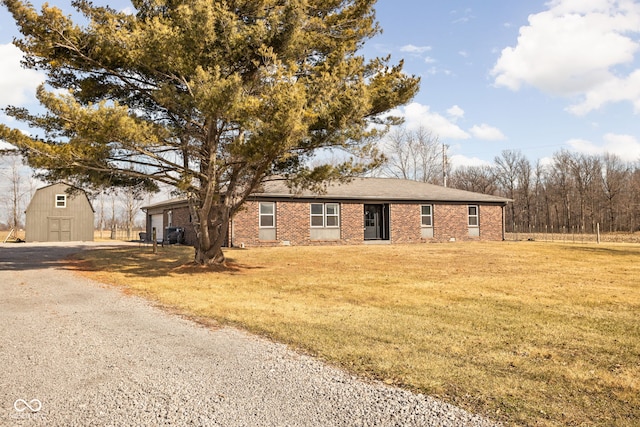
<point>59,213</point>
<point>361,211</point>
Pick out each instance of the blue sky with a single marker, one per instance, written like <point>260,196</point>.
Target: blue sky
<point>536,76</point>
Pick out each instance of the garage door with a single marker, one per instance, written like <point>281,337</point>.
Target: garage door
<point>158,223</point>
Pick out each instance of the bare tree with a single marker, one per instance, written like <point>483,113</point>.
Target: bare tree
<point>413,154</point>
<point>480,179</point>
<point>562,185</point>
<point>508,173</point>
<point>585,170</point>
<point>17,189</point>
<point>132,201</point>
<point>615,179</point>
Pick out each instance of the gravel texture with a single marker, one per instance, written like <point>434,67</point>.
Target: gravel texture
<point>77,353</point>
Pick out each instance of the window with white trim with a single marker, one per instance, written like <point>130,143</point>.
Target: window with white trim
<point>473,216</point>
<point>325,215</point>
<point>267,215</point>
<point>426,215</point>
<point>61,200</point>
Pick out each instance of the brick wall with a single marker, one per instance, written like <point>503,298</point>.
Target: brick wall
<point>405,223</point>
<point>244,230</point>
<point>352,222</point>
<point>491,223</point>
<point>181,218</point>
<point>450,221</point>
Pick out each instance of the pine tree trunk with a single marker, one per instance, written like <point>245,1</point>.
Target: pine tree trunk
<point>211,256</point>
<point>211,236</point>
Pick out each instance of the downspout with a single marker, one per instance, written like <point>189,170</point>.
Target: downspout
<point>503,222</point>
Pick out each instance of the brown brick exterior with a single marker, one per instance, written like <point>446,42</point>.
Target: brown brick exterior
<point>293,224</point>
<point>405,223</point>
<point>450,222</point>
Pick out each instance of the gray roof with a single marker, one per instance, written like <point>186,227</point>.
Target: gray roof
<point>178,201</point>
<point>383,189</point>
<point>367,189</point>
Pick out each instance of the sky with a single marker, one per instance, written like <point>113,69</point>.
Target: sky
<point>534,76</point>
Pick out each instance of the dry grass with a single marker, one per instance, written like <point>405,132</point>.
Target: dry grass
<point>3,235</point>
<point>528,333</point>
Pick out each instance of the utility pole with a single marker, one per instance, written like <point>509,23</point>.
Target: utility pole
<point>445,162</point>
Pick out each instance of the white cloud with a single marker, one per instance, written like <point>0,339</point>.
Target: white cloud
<point>458,160</point>
<point>429,60</point>
<point>416,115</point>
<point>613,90</point>
<point>17,85</point>
<point>487,133</point>
<point>415,49</point>
<point>455,112</point>
<point>625,146</point>
<point>576,48</point>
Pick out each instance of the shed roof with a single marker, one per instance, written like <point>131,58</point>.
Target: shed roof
<point>67,186</point>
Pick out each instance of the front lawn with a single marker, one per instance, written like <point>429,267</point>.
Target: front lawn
<point>525,332</point>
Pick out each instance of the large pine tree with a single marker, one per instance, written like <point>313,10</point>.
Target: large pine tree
<point>211,97</point>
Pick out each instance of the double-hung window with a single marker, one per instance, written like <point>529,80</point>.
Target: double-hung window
<point>325,215</point>
<point>267,221</point>
<point>267,215</point>
<point>426,215</point>
<point>61,200</point>
<point>473,216</point>
<point>426,221</point>
<point>474,220</point>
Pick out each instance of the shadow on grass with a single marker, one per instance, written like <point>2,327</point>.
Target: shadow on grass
<point>606,250</point>
<point>134,262</point>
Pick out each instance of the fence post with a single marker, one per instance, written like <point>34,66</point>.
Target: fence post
<point>598,233</point>
<point>155,242</point>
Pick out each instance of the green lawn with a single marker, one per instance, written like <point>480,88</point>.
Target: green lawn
<point>524,332</point>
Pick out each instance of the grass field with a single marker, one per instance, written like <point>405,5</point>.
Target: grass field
<point>3,235</point>
<point>528,333</point>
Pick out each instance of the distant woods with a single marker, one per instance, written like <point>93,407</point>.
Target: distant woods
<point>570,194</point>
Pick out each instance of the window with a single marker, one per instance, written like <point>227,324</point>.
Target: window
<point>61,200</point>
<point>267,215</point>
<point>426,216</point>
<point>325,215</point>
<point>332,217</point>
<point>473,216</point>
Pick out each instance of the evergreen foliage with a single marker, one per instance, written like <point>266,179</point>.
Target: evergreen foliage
<point>210,97</point>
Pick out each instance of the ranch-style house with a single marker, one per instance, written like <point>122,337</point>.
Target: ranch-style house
<point>362,211</point>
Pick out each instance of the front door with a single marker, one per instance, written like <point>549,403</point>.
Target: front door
<point>375,222</point>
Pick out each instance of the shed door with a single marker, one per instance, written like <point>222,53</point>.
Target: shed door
<point>59,229</point>
<point>157,221</point>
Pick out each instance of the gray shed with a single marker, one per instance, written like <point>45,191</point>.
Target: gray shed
<point>56,215</point>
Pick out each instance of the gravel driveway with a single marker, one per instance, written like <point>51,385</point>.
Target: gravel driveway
<point>74,352</point>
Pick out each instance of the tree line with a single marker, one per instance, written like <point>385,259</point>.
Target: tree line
<point>573,192</point>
